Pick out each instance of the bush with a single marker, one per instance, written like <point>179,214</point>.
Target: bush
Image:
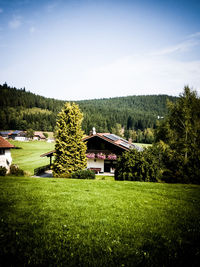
<point>15,170</point>
<point>83,174</point>
<point>3,171</point>
<point>137,166</point>
<point>62,175</point>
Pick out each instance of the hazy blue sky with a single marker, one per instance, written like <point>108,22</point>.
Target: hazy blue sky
<point>93,49</point>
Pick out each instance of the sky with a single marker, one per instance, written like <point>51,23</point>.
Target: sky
<point>86,49</point>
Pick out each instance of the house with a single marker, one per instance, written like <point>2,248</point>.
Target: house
<point>5,154</point>
<point>5,134</point>
<point>19,136</point>
<point>103,149</point>
<point>39,136</point>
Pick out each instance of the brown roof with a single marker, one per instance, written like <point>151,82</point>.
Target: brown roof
<point>40,134</point>
<point>111,138</point>
<point>50,153</point>
<point>5,144</point>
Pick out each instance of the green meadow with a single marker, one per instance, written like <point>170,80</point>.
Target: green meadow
<point>66,222</point>
<point>27,154</point>
<point>101,222</point>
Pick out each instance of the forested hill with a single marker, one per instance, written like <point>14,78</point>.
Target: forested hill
<point>21,110</point>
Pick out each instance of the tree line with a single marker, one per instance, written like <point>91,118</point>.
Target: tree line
<point>135,116</point>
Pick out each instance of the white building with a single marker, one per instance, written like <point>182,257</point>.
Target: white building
<point>5,154</point>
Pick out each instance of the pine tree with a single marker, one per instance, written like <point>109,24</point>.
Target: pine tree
<point>70,154</point>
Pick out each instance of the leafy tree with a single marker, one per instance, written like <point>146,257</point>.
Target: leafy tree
<point>148,136</point>
<point>137,166</point>
<point>70,154</point>
<point>118,130</point>
<point>140,136</point>
<point>181,132</point>
<point>30,133</point>
<point>45,135</point>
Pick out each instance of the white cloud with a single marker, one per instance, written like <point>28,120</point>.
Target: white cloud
<point>32,29</point>
<point>138,76</point>
<point>191,41</point>
<point>196,34</point>
<point>51,6</point>
<point>15,23</point>
<point>64,78</point>
<point>180,48</point>
<point>142,75</point>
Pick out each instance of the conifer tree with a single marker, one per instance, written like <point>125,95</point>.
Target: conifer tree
<point>70,154</point>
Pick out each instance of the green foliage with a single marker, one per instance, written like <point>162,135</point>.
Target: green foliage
<point>83,174</point>
<point>180,131</point>
<point>137,166</point>
<point>3,171</point>
<point>45,135</point>
<point>39,113</point>
<point>70,154</point>
<point>30,133</point>
<point>15,170</point>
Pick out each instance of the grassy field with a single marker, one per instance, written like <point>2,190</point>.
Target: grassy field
<point>66,222</point>
<point>28,155</point>
<point>101,222</point>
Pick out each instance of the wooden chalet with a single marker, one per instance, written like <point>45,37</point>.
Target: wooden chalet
<point>103,149</point>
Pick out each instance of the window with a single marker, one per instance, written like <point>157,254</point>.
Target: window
<point>2,151</point>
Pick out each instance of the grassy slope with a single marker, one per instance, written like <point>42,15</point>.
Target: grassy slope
<point>88,223</point>
<point>28,157</point>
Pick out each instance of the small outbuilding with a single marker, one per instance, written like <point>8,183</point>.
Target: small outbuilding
<point>5,153</point>
<point>39,136</point>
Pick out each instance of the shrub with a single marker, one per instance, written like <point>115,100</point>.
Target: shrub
<point>15,170</point>
<point>45,135</point>
<point>83,174</point>
<point>137,166</point>
<point>3,171</point>
<point>62,175</point>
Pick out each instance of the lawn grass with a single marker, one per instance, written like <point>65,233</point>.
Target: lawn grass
<point>28,156</point>
<point>66,222</point>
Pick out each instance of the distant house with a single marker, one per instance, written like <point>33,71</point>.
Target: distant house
<point>103,149</point>
<point>5,134</point>
<point>5,154</point>
<point>19,135</point>
<point>39,136</point>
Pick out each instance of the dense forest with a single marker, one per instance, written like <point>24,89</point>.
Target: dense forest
<point>130,116</point>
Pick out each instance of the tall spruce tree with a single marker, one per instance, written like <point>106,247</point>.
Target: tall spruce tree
<point>70,152</point>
